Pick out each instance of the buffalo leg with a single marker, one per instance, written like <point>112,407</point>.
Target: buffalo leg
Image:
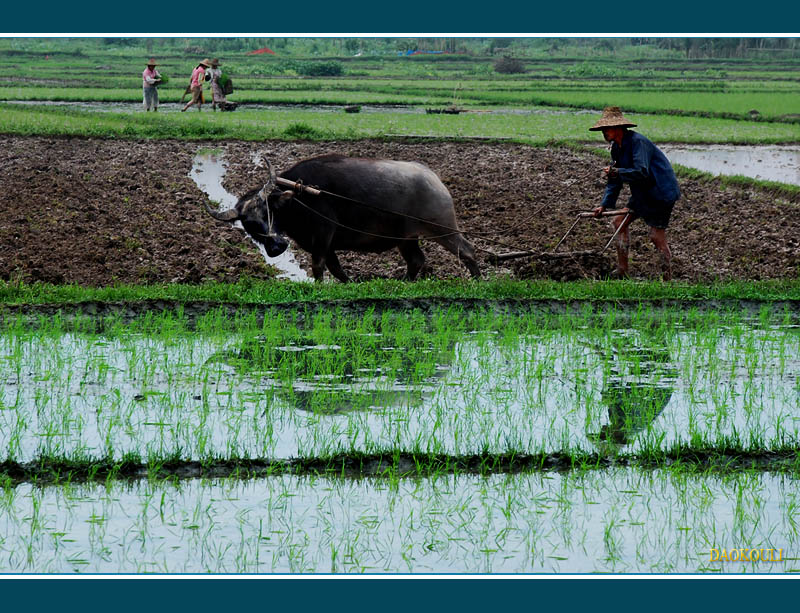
<point>413,256</point>
<point>336,269</point>
<point>458,246</point>
<point>318,265</point>
<point>320,246</point>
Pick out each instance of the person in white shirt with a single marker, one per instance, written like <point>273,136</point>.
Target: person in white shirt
<point>150,80</point>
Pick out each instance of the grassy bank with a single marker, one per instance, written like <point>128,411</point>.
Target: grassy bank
<point>537,129</point>
<point>679,460</point>
<point>256,292</point>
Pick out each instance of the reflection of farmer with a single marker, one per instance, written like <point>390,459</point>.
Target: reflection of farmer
<point>654,188</point>
<point>150,80</point>
<point>217,95</point>
<point>631,408</point>
<point>633,405</point>
<point>196,85</point>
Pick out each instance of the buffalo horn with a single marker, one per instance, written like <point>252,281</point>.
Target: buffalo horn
<point>272,177</point>
<point>229,215</point>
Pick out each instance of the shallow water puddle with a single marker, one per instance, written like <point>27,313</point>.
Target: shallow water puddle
<point>617,520</point>
<point>174,107</point>
<point>136,107</point>
<point>244,396</point>
<point>208,171</point>
<point>769,163</point>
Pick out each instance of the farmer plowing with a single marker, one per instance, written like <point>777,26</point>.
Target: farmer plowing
<point>654,188</point>
<point>654,191</point>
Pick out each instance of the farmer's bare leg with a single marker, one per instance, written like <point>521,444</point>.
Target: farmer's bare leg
<point>623,241</point>
<point>659,238</point>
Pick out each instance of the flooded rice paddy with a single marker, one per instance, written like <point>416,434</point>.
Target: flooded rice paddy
<point>767,163</point>
<point>316,383</point>
<point>620,520</point>
<point>779,163</point>
<point>285,389</point>
<point>175,107</point>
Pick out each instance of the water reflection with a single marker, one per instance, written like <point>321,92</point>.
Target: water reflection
<point>637,390</point>
<point>355,371</point>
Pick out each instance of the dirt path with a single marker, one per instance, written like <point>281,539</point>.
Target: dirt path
<point>97,212</point>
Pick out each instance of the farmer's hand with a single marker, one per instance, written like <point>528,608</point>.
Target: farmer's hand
<point>598,210</point>
<point>611,172</point>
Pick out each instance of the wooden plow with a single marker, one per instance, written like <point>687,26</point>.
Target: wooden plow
<point>496,258</point>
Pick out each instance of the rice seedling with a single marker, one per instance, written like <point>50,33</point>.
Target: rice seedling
<point>448,394</point>
<point>452,383</point>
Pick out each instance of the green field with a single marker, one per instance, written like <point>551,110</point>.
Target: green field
<point>290,124</point>
<point>646,79</point>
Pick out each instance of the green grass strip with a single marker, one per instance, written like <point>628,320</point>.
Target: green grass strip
<point>293,124</point>
<point>253,292</point>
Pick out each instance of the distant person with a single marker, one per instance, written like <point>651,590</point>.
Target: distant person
<point>150,81</point>
<point>217,93</point>
<point>654,188</point>
<point>196,85</point>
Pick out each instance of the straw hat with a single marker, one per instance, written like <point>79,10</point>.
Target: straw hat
<point>152,62</point>
<point>206,63</point>
<point>214,63</point>
<point>612,118</point>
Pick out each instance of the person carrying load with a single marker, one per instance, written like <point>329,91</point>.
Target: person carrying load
<point>196,85</point>
<point>217,92</point>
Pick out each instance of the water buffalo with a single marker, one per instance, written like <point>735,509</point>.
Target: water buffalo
<point>364,205</point>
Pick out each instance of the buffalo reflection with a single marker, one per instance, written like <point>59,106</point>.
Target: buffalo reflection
<point>356,371</point>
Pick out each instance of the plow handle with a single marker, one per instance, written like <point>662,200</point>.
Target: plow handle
<point>612,213</point>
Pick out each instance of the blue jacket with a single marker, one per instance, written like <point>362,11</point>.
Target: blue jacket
<point>646,169</point>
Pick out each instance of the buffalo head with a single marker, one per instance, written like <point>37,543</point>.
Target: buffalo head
<point>256,212</point>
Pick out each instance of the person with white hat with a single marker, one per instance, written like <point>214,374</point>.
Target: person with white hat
<point>654,188</point>
<point>196,85</point>
<point>150,80</point>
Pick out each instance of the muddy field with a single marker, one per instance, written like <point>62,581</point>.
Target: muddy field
<point>98,212</point>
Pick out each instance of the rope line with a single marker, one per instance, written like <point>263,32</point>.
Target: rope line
<point>403,238</point>
<point>451,231</point>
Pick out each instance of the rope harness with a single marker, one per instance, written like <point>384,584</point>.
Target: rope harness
<point>299,187</point>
